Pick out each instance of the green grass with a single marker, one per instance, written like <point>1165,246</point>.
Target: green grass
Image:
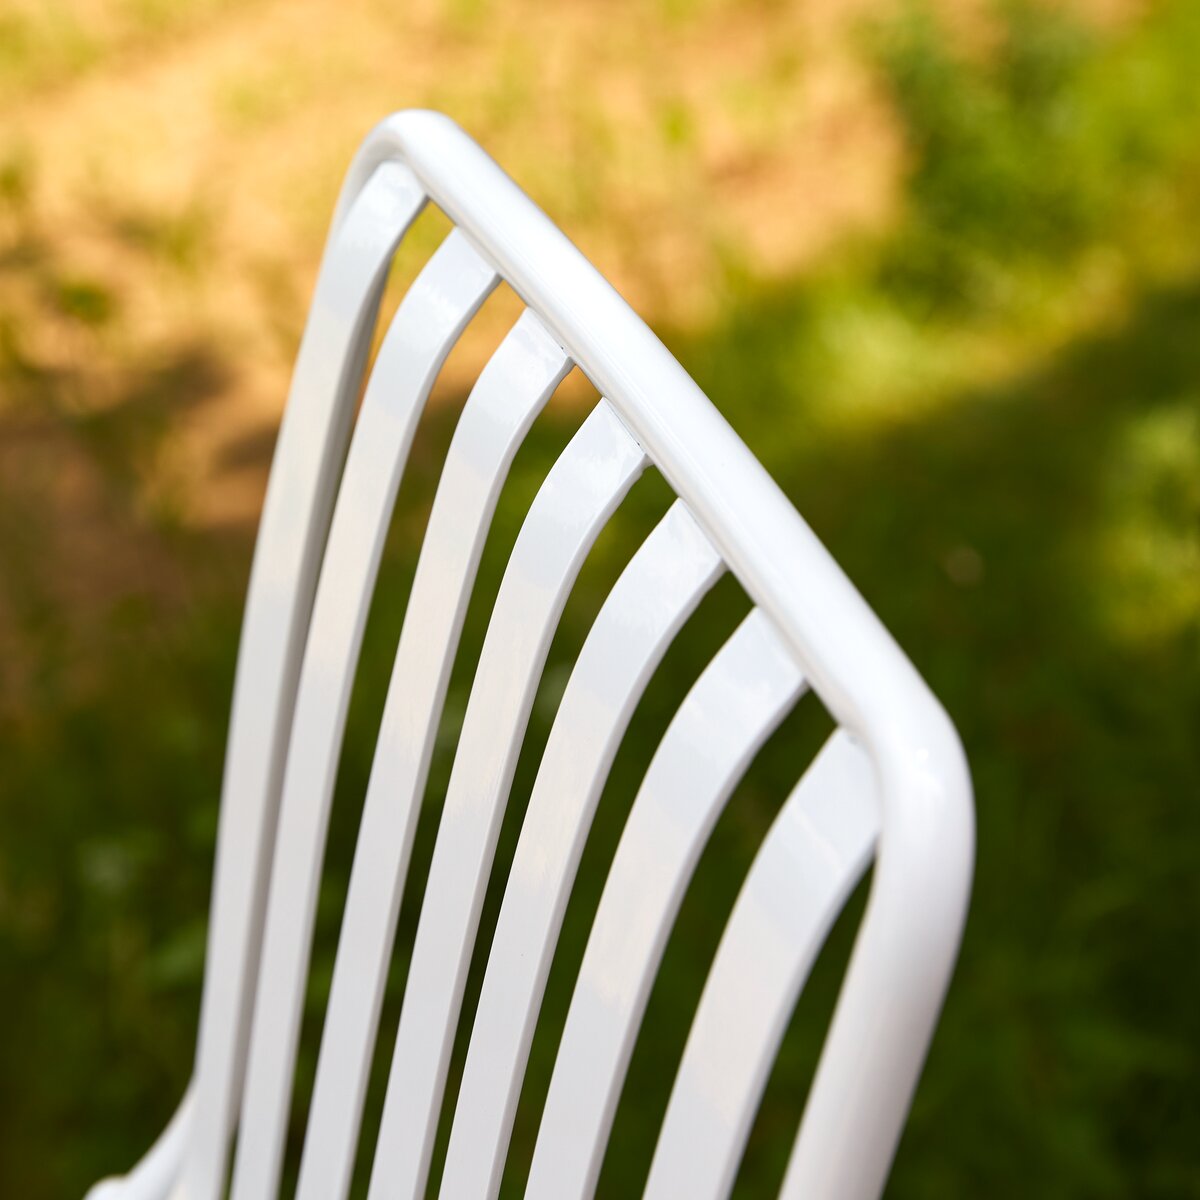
<point>1051,145</point>
<point>992,418</point>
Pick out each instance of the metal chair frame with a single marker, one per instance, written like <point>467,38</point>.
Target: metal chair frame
<point>890,788</point>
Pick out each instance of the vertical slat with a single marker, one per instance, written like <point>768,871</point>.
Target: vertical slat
<point>510,392</point>
<point>813,855</point>
<point>430,318</point>
<point>312,439</point>
<point>734,706</point>
<point>658,590</point>
<point>579,494</point>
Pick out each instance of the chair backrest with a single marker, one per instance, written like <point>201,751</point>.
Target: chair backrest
<point>890,787</point>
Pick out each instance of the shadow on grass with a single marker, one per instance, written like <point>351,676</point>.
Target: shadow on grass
<point>1023,543</point>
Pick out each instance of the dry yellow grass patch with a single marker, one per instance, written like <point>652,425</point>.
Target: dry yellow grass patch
<point>189,171</point>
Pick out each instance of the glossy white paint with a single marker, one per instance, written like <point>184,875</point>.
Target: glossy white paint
<point>652,413</point>
<point>510,392</point>
<point>432,315</point>
<point>658,590</point>
<point>291,536</point>
<point>580,493</point>
<point>814,854</point>
<point>730,711</point>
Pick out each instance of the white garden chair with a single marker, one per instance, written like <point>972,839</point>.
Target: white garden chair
<point>890,786</point>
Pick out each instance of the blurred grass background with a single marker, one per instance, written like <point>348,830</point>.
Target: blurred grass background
<point>937,264</point>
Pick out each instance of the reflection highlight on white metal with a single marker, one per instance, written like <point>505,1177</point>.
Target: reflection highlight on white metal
<point>657,591</point>
<point>731,710</point>
<point>291,535</point>
<point>510,392</point>
<point>815,852</point>
<point>451,287</point>
<point>581,491</point>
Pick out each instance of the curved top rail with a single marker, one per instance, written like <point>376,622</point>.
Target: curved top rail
<point>862,675</point>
